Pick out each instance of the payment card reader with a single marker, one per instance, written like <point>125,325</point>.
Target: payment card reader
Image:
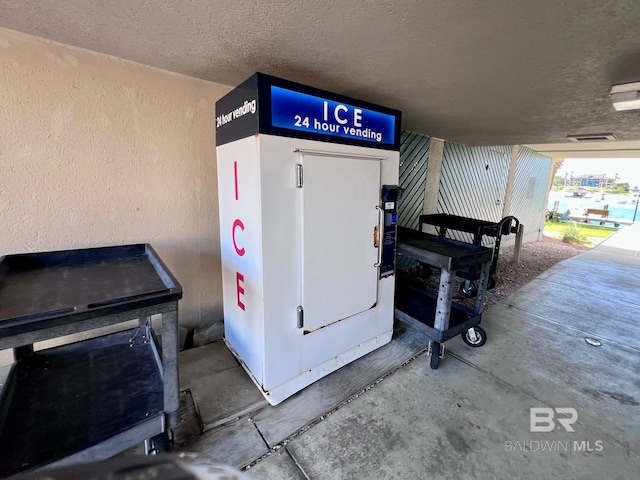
<point>390,196</point>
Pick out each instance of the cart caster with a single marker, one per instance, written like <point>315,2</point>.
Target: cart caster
<point>436,351</point>
<point>491,283</point>
<point>474,337</point>
<point>468,289</point>
<point>158,444</point>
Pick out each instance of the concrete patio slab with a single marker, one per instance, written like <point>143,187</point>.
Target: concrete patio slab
<point>612,319</point>
<point>597,253</point>
<point>599,273</point>
<point>224,396</point>
<point>235,444</point>
<point>203,361</point>
<point>188,426</point>
<point>453,423</point>
<point>625,241</point>
<point>556,366</point>
<point>277,466</point>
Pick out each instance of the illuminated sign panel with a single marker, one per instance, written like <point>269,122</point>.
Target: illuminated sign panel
<point>268,105</point>
<point>308,113</point>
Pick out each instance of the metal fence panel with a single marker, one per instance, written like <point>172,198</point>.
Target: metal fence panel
<point>530,189</point>
<point>473,183</point>
<point>414,155</point>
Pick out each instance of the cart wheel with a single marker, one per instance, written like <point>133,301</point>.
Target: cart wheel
<point>480,340</point>
<point>468,291</point>
<point>158,444</point>
<point>491,283</point>
<point>435,355</point>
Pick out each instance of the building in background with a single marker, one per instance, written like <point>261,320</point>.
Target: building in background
<point>591,180</point>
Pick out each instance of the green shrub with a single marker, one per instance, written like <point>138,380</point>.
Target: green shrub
<point>573,235</point>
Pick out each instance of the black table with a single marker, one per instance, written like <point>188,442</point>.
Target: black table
<point>94,398</point>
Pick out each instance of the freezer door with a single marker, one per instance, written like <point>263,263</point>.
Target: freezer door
<point>339,216</point>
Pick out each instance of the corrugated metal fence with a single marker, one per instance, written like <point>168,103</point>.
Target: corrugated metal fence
<point>473,183</point>
<point>530,189</point>
<point>414,154</point>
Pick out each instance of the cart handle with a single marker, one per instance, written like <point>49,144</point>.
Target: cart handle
<point>506,225</point>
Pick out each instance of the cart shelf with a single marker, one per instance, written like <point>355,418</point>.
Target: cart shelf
<point>439,251</point>
<point>40,290</point>
<point>70,400</point>
<point>91,399</point>
<point>420,305</point>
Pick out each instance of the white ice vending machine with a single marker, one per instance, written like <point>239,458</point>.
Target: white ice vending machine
<point>307,184</point>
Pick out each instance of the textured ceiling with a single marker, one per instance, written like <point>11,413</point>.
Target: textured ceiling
<point>475,72</point>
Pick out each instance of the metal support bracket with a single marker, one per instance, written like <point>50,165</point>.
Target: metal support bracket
<point>142,335</point>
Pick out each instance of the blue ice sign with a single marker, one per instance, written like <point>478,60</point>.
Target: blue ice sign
<point>308,113</point>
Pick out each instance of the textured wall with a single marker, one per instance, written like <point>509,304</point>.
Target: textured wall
<point>97,151</point>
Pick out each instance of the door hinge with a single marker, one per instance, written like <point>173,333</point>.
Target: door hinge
<point>298,175</point>
<point>300,316</point>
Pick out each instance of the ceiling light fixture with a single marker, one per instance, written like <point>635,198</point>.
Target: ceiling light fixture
<point>625,96</point>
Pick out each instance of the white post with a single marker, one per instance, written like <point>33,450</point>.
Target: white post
<point>546,197</point>
<point>508,195</point>
<point>432,185</point>
<point>517,248</point>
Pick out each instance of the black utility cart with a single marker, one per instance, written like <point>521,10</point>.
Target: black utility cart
<point>94,398</point>
<point>477,228</point>
<point>442,318</point>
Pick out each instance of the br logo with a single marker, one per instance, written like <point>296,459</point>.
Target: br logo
<point>542,418</point>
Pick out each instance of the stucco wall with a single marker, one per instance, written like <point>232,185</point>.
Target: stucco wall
<point>97,151</point>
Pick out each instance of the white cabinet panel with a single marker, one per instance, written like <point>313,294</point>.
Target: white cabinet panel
<point>339,198</point>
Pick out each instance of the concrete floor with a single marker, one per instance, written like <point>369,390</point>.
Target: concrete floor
<point>471,417</point>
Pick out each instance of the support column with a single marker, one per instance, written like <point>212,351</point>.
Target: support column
<point>432,185</point>
<point>552,172</point>
<point>508,195</point>
<point>517,248</point>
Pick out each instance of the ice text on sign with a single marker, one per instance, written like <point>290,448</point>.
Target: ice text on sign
<point>240,251</point>
<point>303,112</point>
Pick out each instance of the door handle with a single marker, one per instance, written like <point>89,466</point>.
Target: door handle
<point>380,229</point>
